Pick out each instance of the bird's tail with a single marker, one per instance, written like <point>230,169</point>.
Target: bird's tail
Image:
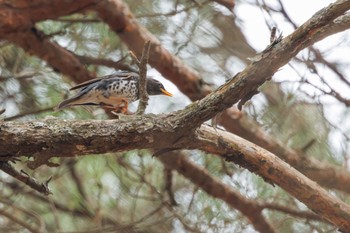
<point>67,103</point>
<point>63,104</point>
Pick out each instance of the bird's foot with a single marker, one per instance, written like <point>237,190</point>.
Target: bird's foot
<point>122,112</point>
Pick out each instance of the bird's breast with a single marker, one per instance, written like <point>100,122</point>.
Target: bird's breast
<point>122,88</point>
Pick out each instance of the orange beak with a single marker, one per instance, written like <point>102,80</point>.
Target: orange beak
<point>165,92</point>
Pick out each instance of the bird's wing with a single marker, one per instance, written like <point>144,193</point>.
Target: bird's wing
<point>121,75</point>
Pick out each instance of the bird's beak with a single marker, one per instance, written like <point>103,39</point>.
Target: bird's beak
<point>165,92</point>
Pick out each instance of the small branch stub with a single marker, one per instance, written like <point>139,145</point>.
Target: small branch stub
<point>26,179</point>
<point>142,64</point>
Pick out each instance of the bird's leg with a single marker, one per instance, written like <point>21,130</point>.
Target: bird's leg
<point>114,110</point>
<point>122,108</point>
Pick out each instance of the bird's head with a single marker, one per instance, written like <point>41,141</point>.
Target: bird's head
<point>154,87</point>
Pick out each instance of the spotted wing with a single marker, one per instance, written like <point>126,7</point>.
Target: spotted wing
<point>119,74</point>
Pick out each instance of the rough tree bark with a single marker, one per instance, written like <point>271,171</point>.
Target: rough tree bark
<point>136,35</point>
<point>68,65</point>
<point>57,138</point>
<point>174,131</point>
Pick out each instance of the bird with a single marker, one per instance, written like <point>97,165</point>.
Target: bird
<point>114,91</point>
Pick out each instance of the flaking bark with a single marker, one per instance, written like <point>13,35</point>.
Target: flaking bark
<point>72,138</point>
<point>173,127</point>
<point>189,83</point>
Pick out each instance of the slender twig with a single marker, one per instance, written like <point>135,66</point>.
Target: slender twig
<point>64,208</point>
<point>173,12</point>
<point>18,77</point>
<point>78,20</point>
<point>168,186</point>
<point>23,114</point>
<point>292,212</point>
<point>318,56</point>
<point>28,212</point>
<point>142,64</point>
<point>26,179</point>
<point>105,62</point>
<point>77,180</point>
<point>18,221</point>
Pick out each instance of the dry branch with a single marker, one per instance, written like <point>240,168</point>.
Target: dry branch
<point>26,179</point>
<point>189,83</point>
<point>226,96</point>
<point>293,212</point>
<point>59,58</point>
<point>14,218</point>
<point>23,114</point>
<point>269,167</point>
<point>263,67</point>
<point>22,15</point>
<point>326,174</point>
<point>118,65</point>
<point>118,16</point>
<point>173,70</point>
<point>71,138</point>
<point>79,212</point>
<point>217,189</point>
<point>142,64</point>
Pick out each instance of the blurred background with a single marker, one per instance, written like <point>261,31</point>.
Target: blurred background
<point>304,107</point>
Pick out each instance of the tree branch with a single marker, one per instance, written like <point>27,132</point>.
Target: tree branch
<point>77,212</point>
<point>326,174</point>
<point>59,58</point>
<point>19,221</point>
<point>300,42</point>
<point>189,83</point>
<point>25,178</point>
<point>278,172</point>
<point>142,64</point>
<point>23,114</point>
<point>73,138</point>
<point>118,16</point>
<point>287,210</point>
<point>264,65</point>
<point>171,70</point>
<point>22,15</point>
<point>105,62</point>
<point>217,189</point>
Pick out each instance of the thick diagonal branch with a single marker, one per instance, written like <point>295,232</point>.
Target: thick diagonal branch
<point>71,138</point>
<point>324,173</point>
<point>232,119</point>
<point>263,67</point>
<point>260,161</point>
<point>189,82</point>
<point>217,189</point>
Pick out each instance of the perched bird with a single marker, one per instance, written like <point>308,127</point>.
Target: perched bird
<point>113,91</point>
